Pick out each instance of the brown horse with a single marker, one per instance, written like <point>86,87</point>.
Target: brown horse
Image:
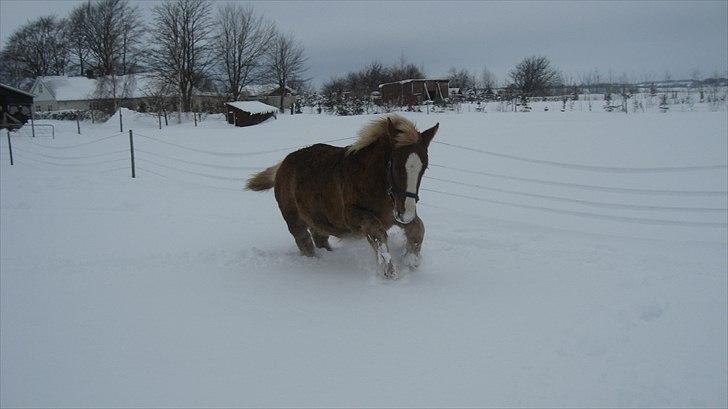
<point>361,190</point>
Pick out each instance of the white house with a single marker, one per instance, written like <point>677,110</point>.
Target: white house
<point>55,93</point>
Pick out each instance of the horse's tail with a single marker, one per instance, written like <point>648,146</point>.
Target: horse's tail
<point>263,180</point>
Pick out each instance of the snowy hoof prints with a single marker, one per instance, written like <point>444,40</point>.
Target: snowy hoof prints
<point>359,190</point>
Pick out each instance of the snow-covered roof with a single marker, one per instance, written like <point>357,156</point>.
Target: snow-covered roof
<point>69,88</point>
<point>66,88</point>
<point>253,107</point>
<point>20,91</point>
<point>415,80</point>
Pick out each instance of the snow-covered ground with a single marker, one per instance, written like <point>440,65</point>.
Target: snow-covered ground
<point>571,259</point>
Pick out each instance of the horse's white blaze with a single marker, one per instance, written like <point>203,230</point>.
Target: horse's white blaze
<point>413,166</point>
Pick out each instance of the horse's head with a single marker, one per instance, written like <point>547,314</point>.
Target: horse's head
<point>405,167</point>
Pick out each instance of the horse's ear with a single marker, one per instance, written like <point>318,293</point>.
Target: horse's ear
<point>391,131</point>
<point>429,134</point>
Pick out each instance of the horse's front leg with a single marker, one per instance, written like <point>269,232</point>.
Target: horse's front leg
<point>386,266</point>
<point>415,233</point>
<point>376,233</point>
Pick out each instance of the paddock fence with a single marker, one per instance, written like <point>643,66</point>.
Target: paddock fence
<point>145,155</point>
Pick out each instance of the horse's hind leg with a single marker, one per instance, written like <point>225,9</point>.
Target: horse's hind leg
<point>320,240</point>
<point>299,231</point>
<point>415,232</point>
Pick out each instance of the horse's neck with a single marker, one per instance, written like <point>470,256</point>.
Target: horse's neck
<point>372,165</point>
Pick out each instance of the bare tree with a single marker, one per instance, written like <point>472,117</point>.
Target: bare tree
<point>77,42</point>
<point>461,78</point>
<point>405,70</point>
<point>534,76</point>
<point>38,48</point>
<point>286,62</point>
<point>181,36</point>
<point>240,44</point>
<point>132,33</point>
<point>102,32</point>
<point>12,71</point>
<point>488,80</point>
<point>590,78</point>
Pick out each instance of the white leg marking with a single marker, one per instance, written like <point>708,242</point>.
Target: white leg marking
<point>386,265</point>
<point>411,260</point>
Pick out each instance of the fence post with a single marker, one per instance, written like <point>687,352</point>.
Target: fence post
<point>32,119</point>
<point>78,123</point>
<point>194,114</point>
<point>131,149</point>
<point>10,148</point>
<point>159,116</point>
<point>121,124</point>
<point>166,122</point>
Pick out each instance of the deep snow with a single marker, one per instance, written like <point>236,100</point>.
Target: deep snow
<point>544,282</point>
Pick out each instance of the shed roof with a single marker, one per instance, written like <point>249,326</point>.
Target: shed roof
<point>416,80</point>
<point>253,107</point>
<point>19,91</point>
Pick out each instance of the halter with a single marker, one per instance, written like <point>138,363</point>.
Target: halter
<point>392,187</point>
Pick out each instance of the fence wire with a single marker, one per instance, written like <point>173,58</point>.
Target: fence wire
<point>608,169</point>
<point>606,205</point>
<point>126,151</point>
<point>233,154</point>
<point>209,165</point>
<point>72,165</point>
<point>613,189</point>
<point>149,159</point>
<point>638,220</point>
<point>207,175</point>
<point>30,140</point>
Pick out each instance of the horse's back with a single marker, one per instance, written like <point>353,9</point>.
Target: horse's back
<point>319,155</point>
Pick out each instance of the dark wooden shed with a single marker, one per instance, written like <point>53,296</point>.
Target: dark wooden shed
<point>414,91</point>
<point>246,113</point>
<point>16,107</point>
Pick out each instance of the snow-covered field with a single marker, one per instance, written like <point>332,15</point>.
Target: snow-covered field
<point>571,259</point>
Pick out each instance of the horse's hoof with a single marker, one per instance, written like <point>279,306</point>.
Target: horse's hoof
<point>308,253</point>
<point>389,271</point>
<point>411,260</point>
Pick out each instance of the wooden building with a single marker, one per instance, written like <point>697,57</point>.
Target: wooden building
<point>16,107</point>
<point>246,113</point>
<point>414,91</point>
<point>270,94</point>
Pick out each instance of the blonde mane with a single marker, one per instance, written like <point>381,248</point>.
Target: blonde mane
<point>406,132</point>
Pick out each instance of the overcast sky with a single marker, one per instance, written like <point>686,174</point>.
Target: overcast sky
<point>640,39</point>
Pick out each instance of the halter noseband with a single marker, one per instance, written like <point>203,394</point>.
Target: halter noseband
<point>392,187</point>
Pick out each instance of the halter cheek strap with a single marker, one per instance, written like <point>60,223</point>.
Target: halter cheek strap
<point>392,187</point>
